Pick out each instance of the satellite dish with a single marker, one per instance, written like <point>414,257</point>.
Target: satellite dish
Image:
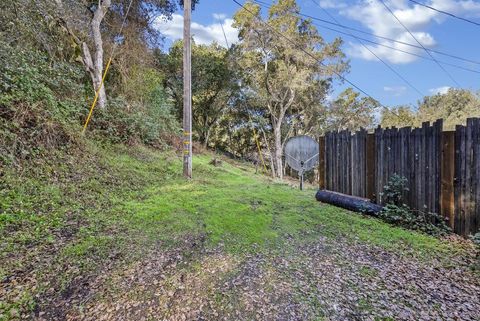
<point>301,154</point>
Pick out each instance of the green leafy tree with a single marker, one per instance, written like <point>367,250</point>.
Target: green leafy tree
<point>350,111</point>
<point>214,84</point>
<point>86,30</point>
<point>44,74</point>
<point>280,72</point>
<point>454,107</point>
<point>400,116</point>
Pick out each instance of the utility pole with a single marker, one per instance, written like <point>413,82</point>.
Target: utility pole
<point>187,90</point>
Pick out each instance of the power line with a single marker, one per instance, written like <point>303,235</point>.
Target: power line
<point>397,49</point>
<point>445,13</point>
<point>380,44</point>
<point>373,53</point>
<point>428,52</point>
<point>306,52</point>
<point>380,37</point>
<point>224,35</point>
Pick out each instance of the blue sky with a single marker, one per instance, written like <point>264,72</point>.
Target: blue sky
<point>434,30</point>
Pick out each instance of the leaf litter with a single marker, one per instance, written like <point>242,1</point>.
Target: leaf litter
<point>324,279</point>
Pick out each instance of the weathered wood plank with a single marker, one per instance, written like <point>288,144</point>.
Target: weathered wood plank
<point>436,163</point>
<point>429,168</point>
<point>468,175</point>
<point>457,183</point>
<point>447,197</point>
<point>379,164</point>
<point>475,215</point>
<point>321,162</point>
<point>460,176</point>
<point>370,164</point>
<point>411,162</point>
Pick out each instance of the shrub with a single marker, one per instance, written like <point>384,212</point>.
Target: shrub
<point>121,122</point>
<point>394,191</point>
<point>43,103</point>
<point>39,101</point>
<point>29,77</point>
<point>398,213</point>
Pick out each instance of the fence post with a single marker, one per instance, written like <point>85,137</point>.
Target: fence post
<point>370,163</point>
<point>321,163</point>
<point>447,174</point>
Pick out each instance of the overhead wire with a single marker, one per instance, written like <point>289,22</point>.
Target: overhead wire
<point>263,4</point>
<point>415,38</point>
<point>400,50</point>
<point>225,35</point>
<point>107,66</point>
<point>308,54</point>
<point>374,54</point>
<point>379,36</point>
<point>446,13</point>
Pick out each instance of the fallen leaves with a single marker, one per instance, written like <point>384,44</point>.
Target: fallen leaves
<point>333,280</point>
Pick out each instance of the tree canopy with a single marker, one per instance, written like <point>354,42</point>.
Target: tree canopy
<point>287,66</point>
<point>454,107</point>
<point>214,83</point>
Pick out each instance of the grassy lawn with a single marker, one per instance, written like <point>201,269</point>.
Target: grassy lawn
<point>233,205</point>
<point>67,218</point>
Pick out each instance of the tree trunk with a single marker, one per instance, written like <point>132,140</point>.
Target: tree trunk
<point>278,151</point>
<point>95,66</point>
<point>206,138</point>
<point>272,164</point>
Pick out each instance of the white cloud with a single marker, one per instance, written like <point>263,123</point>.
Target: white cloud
<point>374,16</point>
<point>396,91</point>
<point>331,4</point>
<point>202,34</point>
<point>396,57</point>
<point>440,90</point>
<point>467,8</point>
<point>219,16</point>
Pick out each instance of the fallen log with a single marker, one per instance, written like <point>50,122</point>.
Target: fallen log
<point>352,203</point>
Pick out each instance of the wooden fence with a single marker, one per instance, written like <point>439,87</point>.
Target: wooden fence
<point>442,168</point>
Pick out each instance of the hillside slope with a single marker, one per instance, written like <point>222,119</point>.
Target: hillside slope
<point>115,233</point>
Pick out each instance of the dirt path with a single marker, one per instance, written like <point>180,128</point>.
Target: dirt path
<point>321,280</point>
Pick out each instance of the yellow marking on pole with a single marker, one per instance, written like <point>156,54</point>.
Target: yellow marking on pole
<point>97,93</point>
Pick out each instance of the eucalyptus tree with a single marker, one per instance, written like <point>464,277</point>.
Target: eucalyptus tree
<point>287,65</point>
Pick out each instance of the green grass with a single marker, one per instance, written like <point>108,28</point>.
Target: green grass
<point>237,208</point>
<point>110,203</point>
